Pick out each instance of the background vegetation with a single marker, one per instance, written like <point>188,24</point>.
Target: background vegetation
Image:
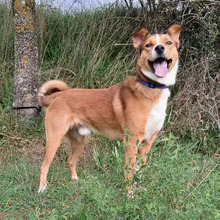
<point>94,50</point>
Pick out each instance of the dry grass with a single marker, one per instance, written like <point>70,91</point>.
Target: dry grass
<point>197,105</point>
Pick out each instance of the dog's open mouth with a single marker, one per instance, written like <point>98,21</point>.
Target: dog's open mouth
<point>160,66</point>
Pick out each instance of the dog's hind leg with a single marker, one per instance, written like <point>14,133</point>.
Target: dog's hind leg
<point>55,131</point>
<point>77,143</point>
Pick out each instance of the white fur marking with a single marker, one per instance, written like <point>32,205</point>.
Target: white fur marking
<point>42,189</point>
<point>84,131</point>
<point>154,55</point>
<point>167,80</point>
<point>76,178</point>
<point>157,38</point>
<point>157,116</point>
<point>137,167</point>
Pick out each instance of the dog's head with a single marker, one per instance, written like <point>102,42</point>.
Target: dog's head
<point>158,54</point>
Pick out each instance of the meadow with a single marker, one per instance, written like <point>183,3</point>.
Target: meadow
<point>94,50</point>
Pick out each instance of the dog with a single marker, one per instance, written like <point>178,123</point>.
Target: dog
<point>137,103</point>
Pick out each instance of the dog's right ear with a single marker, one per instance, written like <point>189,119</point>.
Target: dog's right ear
<point>139,37</point>
<point>174,32</point>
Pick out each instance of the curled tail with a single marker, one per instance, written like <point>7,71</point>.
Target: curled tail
<point>49,90</point>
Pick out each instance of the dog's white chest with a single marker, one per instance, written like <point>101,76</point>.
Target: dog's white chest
<point>157,116</point>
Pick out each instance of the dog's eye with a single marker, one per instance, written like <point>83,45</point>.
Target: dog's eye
<point>148,45</point>
<point>168,42</point>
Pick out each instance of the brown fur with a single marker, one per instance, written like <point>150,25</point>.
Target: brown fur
<point>108,111</point>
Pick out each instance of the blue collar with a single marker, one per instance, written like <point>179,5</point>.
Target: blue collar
<point>153,86</point>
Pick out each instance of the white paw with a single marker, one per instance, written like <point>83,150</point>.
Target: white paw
<point>42,189</point>
<point>75,178</point>
<point>137,167</point>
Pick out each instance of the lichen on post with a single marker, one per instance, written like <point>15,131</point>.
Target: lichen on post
<point>26,72</point>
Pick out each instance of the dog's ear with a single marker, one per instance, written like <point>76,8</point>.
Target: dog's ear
<point>174,32</point>
<point>139,37</point>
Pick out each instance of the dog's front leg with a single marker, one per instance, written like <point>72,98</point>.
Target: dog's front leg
<point>130,153</point>
<point>146,147</point>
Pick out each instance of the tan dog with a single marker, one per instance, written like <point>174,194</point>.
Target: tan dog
<point>138,103</point>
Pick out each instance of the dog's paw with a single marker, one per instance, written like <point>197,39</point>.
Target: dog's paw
<point>75,178</point>
<point>42,188</point>
<point>138,188</point>
<point>137,167</point>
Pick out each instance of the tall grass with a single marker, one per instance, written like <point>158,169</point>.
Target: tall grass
<point>83,47</point>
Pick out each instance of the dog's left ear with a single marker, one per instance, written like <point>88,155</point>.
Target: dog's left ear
<point>174,32</point>
<point>139,37</point>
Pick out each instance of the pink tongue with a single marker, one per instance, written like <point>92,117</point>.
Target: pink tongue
<point>161,69</point>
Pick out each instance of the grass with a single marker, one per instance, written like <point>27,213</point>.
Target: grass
<point>176,183</point>
<point>181,178</point>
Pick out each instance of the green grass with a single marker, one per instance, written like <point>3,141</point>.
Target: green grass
<point>176,183</point>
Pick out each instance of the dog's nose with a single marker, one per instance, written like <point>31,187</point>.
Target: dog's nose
<point>159,49</point>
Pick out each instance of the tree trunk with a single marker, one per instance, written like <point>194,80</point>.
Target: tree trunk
<point>26,72</point>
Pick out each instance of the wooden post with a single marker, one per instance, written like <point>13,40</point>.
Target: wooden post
<point>26,72</point>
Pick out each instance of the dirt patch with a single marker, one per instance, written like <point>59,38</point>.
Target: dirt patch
<point>34,151</point>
